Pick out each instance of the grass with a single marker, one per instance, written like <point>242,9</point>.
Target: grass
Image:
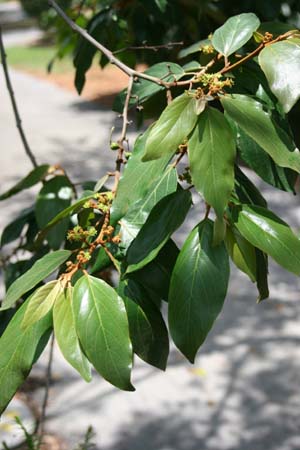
<point>36,58</point>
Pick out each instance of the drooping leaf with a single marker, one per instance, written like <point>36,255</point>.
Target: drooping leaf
<point>40,270</point>
<point>18,351</point>
<point>262,275</point>
<point>13,230</point>
<point>172,128</point>
<point>246,191</point>
<point>259,161</point>
<point>241,252</point>
<point>281,65</point>
<point>66,335</point>
<point>148,331</point>
<point>137,215</point>
<point>34,177</point>
<point>211,152</point>
<point>156,275</point>
<point>137,179</point>
<point>257,123</point>
<point>143,89</point>
<point>101,261</point>
<point>164,219</point>
<point>198,289</point>
<point>235,33</point>
<point>41,302</point>
<point>54,197</point>
<point>102,328</point>
<point>270,234</point>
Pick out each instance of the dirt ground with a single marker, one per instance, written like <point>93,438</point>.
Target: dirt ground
<point>102,85</point>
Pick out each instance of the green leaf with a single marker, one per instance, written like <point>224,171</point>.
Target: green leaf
<point>54,197</point>
<point>66,335</point>
<point>257,123</point>
<point>246,191</point>
<point>40,270</point>
<point>172,128</point>
<point>259,161</point>
<point>241,252</point>
<point>270,234</point>
<point>41,302</point>
<point>162,5</point>
<point>18,351</point>
<point>143,89</point>
<point>281,65</point>
<point>75,207</point>
<point>262,275</point>
<point>163,220</point>
<point>148,331</point>
<point>102,328</point>
<point>198,289</point>
<point>137,179</point>
<point>34,177</point>
<point>101,261</point>
<point>194,48</point>
<point>156,275</point>
<point>211,151</point>
<point>13,230</point>
<point>235,33</point>
<point>137,215</point>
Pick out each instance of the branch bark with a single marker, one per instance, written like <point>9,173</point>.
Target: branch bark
<point>14,103</point>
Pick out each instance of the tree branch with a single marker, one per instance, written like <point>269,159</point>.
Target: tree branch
<point>109,55</point>
<point>122,139</point>
<point>154,48</point>
<point>14,103</point>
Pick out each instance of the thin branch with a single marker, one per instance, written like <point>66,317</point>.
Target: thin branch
<point>154,48</point>
<point>14,103</point>
<point>109,55</point>
<point>122,139</point>
<point>42,419</point>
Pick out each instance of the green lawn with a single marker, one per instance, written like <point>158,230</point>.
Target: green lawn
<point>36,58</point>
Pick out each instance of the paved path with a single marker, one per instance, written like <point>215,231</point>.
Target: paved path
<point>243,392</point>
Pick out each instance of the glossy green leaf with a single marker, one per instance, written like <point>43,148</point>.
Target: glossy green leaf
<point>66,335</point>
<point>40,270</point>
<point>137,179</point>
<point>281,65</point>
<point>164,219</point>
<point>156,275</point>
<point>172,128</point>
<point>241,252</point>
<point>34,177</point>
<point>54,197</point>
<point>211,151</point>
<point>41,302</point>
<point>270,234</point>
<point>18,351</point>
<point>143,89</point>
<point>198,289</point>
<point>102,328</point>
<point>246,191</point>
<point>259,161</point>
<point>148,331</point>
<point>100,262</point>
<point>137,215</point>
<point>235,33</point>
<point>257,123</point>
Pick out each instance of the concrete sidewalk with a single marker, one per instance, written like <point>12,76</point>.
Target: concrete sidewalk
<point>243,392</point>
